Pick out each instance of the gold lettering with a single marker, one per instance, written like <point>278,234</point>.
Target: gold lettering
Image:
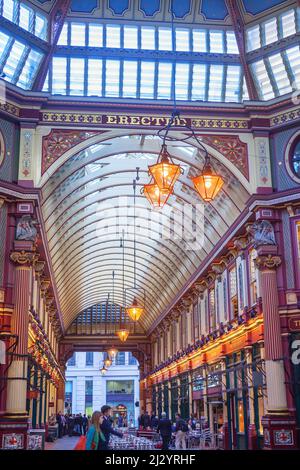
<point>111,119</point>
<point>123,119</point>
<point>146,121</point>
<point>158,121</point>
<point>134,120</point>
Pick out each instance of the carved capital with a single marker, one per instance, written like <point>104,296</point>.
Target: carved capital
<point>45,283</point>
<point>240,244</point>
<point>267,262</point>
<point>24,258</point>
<point>39,267</point>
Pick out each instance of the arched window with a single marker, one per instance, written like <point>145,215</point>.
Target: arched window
<point>295,158</point>
<point>241,287</point>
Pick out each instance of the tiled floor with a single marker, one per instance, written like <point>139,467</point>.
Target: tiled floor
<point>65,443</point>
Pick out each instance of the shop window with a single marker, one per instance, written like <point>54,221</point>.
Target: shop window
<point>120,386</point>
<point>241,287</point>
<point>295,158</point>
<point>253,281</point>
<point>89,396</point>
<point>233,293</point>
<point>120,359</point>
<point>212,309</point>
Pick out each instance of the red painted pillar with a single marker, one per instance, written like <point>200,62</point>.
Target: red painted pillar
<point>279,426</point>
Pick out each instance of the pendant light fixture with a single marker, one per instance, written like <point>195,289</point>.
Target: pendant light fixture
<point>207,183</point>
<point>134,311</point>
<point>103,370</point>
<point>123,332</point>
<point>107,362</point>
<point>165,172</point>
<point>156,196</point>
<point>112,352</point>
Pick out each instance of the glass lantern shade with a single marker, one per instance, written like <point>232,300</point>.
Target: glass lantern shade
<point>156,196</point>
<point>135,311</point>
<point>123,334</point>
<point>165,172</point>
<point>107,362</point>
<point>112,352</point>
<point>207,184</point>
<point>103,370</point>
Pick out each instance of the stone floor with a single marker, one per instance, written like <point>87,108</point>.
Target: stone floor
<point>65,443</point>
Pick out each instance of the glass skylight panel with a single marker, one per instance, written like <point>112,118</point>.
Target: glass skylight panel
<point>40,26</point>
<point>3,42</point>
<point>261,77</point>
<point>199,82</point>
<point>9,9</point>
<point>288,23</point>
<point>13,60</point>
<point>94,85</point>
<point>233,81</point>
<point>270,31</point>
<point>78,34</point>
<point>165,39</point>
<point>199,40</point>
<point>253,38</point>
<point>29,70</point>
<point>147,80</point>
<point>129,78</point>
<point>46,84</point>
<point>113,36</point>
<point>164,80</point>
<point>216,40</point>
<point>215,83</point>
<point>112,76</point>
<point>130,37</point>
<point>293,57</point>
<point>63,38</point>
<point>24,18</point>
<point>245,95</point>
<point>59,75</point>
<point>280,74</point>
<point>182,37</point>
<point>77,76</point>
<point>232,47</point>
<point>95,35</point>
<point>182,81</point>
<point>148,38</point>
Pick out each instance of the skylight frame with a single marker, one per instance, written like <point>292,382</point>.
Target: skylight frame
<point>34,13</point>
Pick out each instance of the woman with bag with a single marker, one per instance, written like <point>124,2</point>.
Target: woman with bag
<point>94,435</point>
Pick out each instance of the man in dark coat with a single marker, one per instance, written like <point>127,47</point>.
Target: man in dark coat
<point>147,420</point>
<point>165,429</point>
<point>154,422</point>
<point>106,428</point>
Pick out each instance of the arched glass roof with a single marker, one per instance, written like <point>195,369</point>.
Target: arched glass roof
<point>88,202</point>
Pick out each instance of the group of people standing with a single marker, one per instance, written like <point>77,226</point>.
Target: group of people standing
<point>72,424</point>
<point>166,428</point>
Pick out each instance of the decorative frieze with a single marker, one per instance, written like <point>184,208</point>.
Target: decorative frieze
<point>24,258</point>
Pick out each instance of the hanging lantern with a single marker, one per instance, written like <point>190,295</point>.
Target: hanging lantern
<point>107,362</point>
<point>112,352</point>
<point>208,184</point>
<point>123,334</point>
<point>165,172</point>
<point>135,311</point>
<point>157,197</point>
<point>103,370</point>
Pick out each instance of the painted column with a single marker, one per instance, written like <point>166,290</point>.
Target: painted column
<point>60,397</point>
<point>17,374</point>
<point>252,434</point>
<point>279,426</point>
<point>225,405</point>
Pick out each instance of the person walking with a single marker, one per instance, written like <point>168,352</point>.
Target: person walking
<point>94,435</point>
<point>147,420</point>
<point>164,427</point>
<point>154,422</point>
<point>181,430</point>
<point>85,423</point>
<point>106,428</point>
